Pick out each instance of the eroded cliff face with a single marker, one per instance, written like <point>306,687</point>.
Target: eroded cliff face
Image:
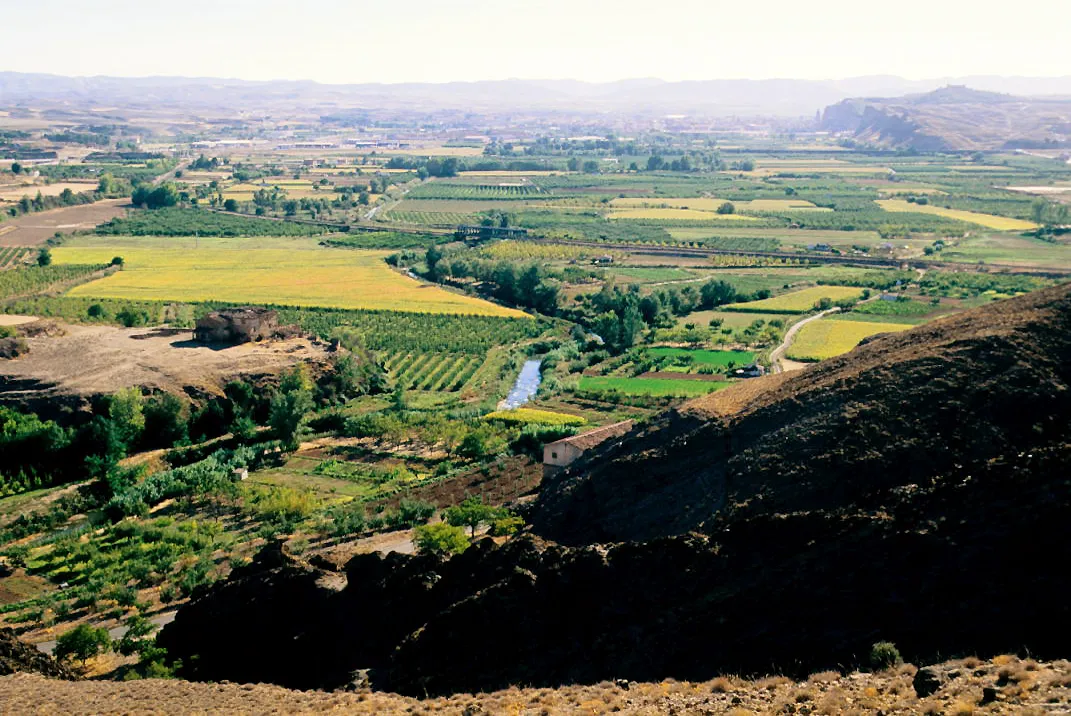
<point>916,490</point>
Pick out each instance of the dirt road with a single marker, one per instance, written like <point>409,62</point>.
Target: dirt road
<point>777,356</point>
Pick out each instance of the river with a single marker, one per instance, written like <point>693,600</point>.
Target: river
<point>526,386</point>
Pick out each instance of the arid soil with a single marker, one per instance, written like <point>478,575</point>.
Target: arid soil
<point>35,229</point>
<point>89,360</point>
<point>1003,685</point>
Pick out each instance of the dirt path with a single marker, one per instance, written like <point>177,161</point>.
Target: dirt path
<point>778,363</point>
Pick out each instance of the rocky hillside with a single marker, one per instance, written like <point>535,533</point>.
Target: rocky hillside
<point>902,412</point>
<point>916,490</point>
<point>954,118</point>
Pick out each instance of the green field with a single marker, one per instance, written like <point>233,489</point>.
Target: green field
<point>295,272</point>
<point>720,359</point>
<point>649,386</point>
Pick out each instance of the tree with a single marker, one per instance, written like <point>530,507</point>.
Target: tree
<point>117,261</point>
<point>126,411</point>
<point>471,513</point>
<point>655,163</point>
<point>727,208</point>
<point>82,643</point>
<point>432,258</point>
<point>16,168</point>
<point>44,257</point>
<point>230,205</point>
<point>440,539</point>
<point>287,415</point>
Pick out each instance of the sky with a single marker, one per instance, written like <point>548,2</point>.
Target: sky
<point>594,40</point>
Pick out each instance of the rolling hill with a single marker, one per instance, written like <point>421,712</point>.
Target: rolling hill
<point>955,118</point>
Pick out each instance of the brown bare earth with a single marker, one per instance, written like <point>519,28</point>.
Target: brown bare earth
<point>1002,685</point>
<point>88,360</point>
<point>35,229</point>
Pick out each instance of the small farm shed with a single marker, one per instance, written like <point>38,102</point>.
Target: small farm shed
<point>236,325</point>
<point>562,453</point>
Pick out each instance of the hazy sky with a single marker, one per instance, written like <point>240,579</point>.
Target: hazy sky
<point>597,40</point>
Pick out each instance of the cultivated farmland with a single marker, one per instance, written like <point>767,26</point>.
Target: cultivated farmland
<point>676,215</point>
<point>826,338</point>
<point>797,301</point>
<point>262,271</point>
<point>649,386</point>
<point>990,221</point>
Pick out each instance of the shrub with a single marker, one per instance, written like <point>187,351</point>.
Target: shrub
<point>884,655</point>
<point>441,539</point>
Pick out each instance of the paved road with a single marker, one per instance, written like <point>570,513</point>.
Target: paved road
<point>115,633</point>
<point>778,353</point>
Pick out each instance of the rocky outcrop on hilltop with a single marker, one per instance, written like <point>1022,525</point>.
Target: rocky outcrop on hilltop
<point>917,490</point>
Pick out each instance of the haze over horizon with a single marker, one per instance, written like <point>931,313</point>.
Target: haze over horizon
<point>472,40</point>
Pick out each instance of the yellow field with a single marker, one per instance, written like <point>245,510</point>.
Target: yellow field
<point>676,215</point>
<point>294,272</point>
<point>827,338</point>
<point>797,301</point>
<point>538,417</point>
<point>709,204</point>
<point>990,221</point>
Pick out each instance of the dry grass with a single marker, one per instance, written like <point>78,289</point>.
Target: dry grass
<point>889,692</point>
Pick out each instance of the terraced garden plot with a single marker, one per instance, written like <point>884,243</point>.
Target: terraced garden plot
<point>498,191</point>
<point>427,218</point>
<point>12,256</point>
<point>260,272</point>
<point>797,301</point>
<point>990,221</point>
<point>827,338</point>
<point>439,372</point>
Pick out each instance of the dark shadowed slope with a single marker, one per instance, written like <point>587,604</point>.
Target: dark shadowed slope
<point>917,490</point>
<point>901,410</point>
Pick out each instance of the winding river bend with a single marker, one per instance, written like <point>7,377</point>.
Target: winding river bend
<point>524,389</point>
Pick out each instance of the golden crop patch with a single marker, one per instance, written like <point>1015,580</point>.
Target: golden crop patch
<point>255,271</point>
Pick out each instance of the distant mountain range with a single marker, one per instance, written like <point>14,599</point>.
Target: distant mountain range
<point>776,97</point>
<point>955,118</point>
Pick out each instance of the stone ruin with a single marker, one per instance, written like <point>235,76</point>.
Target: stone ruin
<point>237,325</point>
